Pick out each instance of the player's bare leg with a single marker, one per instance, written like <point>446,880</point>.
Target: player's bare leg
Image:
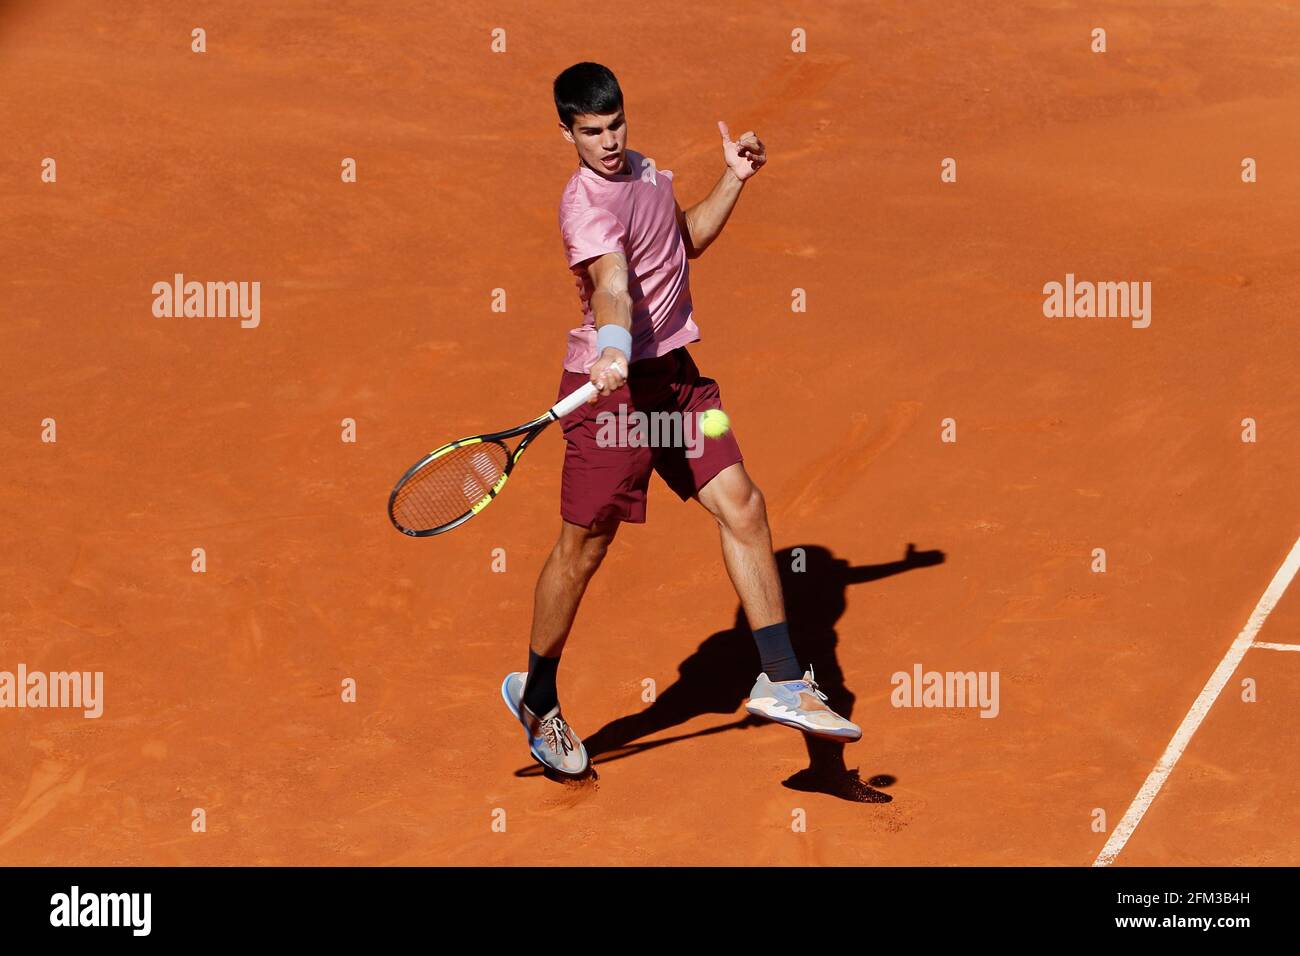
<point>741,512</point>
<point>779,694</point>
<point>572,562</point>
<point>532,696</point>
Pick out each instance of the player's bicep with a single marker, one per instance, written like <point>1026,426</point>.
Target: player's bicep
<point>684,227</point>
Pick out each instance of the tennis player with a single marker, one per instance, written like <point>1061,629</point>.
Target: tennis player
<point>628,243</point>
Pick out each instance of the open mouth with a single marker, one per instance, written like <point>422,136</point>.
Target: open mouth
<point>612,162</point>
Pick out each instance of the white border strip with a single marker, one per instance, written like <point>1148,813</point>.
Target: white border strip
<point>1269,646</point>
<point>1183,736</point>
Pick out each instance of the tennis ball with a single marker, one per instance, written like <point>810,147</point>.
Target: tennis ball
<point>714,423</point>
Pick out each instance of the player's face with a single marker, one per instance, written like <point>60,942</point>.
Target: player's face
<point>601,139</point>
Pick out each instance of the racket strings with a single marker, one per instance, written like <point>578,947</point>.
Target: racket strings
<point>449,486</point>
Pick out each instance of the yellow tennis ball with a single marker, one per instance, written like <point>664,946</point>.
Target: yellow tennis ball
<point>714,423</point>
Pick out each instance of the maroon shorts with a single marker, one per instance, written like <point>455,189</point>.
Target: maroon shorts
<point>607,467</point>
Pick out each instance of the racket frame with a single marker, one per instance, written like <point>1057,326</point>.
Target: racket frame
<point>533,428</point>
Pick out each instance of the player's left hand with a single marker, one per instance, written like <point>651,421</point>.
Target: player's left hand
<point>745,155</point>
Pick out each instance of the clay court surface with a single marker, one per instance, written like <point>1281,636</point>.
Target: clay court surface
<point>924,303</point>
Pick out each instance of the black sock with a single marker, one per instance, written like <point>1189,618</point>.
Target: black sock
<point>777,653</point>
<point>539,693</point>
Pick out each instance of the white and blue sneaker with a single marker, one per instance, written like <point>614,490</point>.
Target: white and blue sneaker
<point>550,739</point>
<point>799,704</point>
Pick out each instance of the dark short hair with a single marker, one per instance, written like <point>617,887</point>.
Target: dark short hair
<point>586,88</point>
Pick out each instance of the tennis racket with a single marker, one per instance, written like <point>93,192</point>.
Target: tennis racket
<point>452,484</point>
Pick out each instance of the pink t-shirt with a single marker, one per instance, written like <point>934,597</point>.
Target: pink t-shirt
<point>633,213</point>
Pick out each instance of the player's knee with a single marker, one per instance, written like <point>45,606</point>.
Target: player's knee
<point>745,512</point>
<point>581,552</point>
<point>593,553</point>
<point>756,511</point>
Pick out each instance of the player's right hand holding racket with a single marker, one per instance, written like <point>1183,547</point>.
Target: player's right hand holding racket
<point>609,373</point>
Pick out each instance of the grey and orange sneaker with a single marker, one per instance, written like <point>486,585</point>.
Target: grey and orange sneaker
<point>551,740</point>
<point>799,704</point>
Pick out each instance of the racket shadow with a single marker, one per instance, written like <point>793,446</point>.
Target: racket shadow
<point>717,678</point>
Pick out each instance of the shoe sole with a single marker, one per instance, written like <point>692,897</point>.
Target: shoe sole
<point>822,733</point>
<point>546,766</point>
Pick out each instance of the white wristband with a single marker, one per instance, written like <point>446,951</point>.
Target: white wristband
<point>614,336</point>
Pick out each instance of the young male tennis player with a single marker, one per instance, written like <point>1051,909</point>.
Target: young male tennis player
<point>627,242</point>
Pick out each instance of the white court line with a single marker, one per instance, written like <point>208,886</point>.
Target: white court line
<point>1183,736</point>
<point>1270,646</point>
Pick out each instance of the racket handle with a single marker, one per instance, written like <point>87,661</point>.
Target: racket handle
<point>572,400</point>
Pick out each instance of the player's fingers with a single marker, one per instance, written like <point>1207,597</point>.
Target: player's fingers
<point>726,133</point>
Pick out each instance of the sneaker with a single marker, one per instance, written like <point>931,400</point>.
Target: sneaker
<point>798,703</point>
<point>551,740</point>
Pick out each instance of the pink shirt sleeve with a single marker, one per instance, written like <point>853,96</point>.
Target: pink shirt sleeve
<point>589,233</point>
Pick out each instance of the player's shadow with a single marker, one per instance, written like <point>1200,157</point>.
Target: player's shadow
<point>717,678</point>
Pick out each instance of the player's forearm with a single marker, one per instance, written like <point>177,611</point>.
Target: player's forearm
<point>612,308</point>
<point>705,219</point>
<point>613,312</point>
